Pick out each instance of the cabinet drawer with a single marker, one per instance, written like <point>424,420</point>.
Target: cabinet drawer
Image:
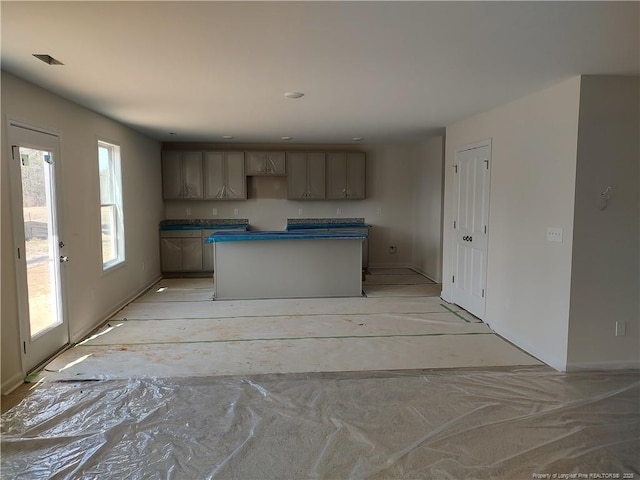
<point>180,234</point>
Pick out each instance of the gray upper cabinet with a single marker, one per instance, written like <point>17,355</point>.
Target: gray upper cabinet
<point>265,163</point>
<point>345,176</point>
<point>182,175</point>
<point>305,176</point>
<point>224,177</point>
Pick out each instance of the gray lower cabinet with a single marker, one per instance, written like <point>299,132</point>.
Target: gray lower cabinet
<point>224,177</point>
<point>181,251</point>
<point>182,175</point>
<point>345,176</point>
<point>305,176</point>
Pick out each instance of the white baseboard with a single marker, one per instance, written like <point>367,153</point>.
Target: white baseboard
<point>424,274</point>
<point>11,383</point>
<point>105,318</point>
<point>591,366</point>
<point>390,265</point>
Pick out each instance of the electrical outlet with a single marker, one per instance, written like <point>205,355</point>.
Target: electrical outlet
<point>188,211</point>
<point>214,211</point>
<point>299,211</point>
<point>621,328</point>
<point>235,211</point>
<point>393,249</point>
<point>554,234</point>
<point>339,211</point>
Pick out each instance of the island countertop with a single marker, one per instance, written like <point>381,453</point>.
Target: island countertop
<point>220,237</point>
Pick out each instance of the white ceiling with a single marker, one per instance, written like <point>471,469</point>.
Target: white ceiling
<point>385,71</point>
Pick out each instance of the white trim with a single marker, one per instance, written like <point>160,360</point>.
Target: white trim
<point>391,265</point>
<point>449,289</point>
<point>21,134</point>
<point>594,366</point>
<point>111,312</point>
<point>421,272</point>
<point>11,383</point>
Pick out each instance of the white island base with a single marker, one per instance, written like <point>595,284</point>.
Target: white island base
<point>298,268</point>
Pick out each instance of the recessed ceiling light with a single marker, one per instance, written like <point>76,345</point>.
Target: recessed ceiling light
<point>48,59</point>
<point>227,137</point>
<point>286,138</point>
<point>294,94</point>
<point>357,139</point>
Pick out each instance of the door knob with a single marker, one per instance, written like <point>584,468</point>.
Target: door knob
<point>64,259</point>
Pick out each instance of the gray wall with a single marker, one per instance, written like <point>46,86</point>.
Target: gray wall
<point>427,235</point>
<point>605,275</point>
<point>91,295</point>
<point>532,188</point>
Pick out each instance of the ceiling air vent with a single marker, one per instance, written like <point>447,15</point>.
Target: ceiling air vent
<point>48,59</point>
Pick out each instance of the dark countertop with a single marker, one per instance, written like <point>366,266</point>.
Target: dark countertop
<point>324,223</point>
<point>205,224</point>
<point>280,235</point>
<point>332,226</point>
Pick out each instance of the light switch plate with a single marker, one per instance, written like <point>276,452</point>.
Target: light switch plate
<point>214,211</point>
<point>554,234</point>
<point>235,211</point>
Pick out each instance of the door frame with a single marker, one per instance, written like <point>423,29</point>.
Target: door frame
<point>463,148</point>
<point>17,222</point>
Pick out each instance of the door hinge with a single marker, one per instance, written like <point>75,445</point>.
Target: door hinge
<point>483,293</point>
<point>24,347</point>
<point>453,279</point>
<point>18,253</point>
<point>456,168</point>
<point>485,229</point>
<point>486,162</point>
<point>454,224</point>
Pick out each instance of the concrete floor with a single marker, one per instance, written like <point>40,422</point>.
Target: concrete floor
<point>176,330</point>
<point>397,384</point>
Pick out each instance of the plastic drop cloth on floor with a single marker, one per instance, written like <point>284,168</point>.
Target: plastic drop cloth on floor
<point>490,424</point>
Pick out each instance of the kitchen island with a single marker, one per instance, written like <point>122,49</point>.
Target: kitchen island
<point>296,264</point>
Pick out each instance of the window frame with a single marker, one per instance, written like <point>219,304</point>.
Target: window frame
<point>116,204</point>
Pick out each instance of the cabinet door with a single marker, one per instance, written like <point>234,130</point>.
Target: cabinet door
<point>336,176</point>
<point>316,175</point>
<point>213,175</point>
<point>192,174</point>
<point>171,175</point>
<point>192,254</point>
<point>356,176</point>
<point>275,163</point>
<point>236,182</point>
<point>296,176</point>
<point>255,163</point>
<point>171,254</point>
<point>265,163</point>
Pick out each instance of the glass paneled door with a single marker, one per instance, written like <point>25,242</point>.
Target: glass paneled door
<point>39,247</point>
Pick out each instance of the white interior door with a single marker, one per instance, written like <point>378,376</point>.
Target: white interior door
<point>471,220</point>
<point>38,244</point>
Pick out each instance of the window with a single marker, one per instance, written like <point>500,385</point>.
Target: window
<point>111,216</point>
